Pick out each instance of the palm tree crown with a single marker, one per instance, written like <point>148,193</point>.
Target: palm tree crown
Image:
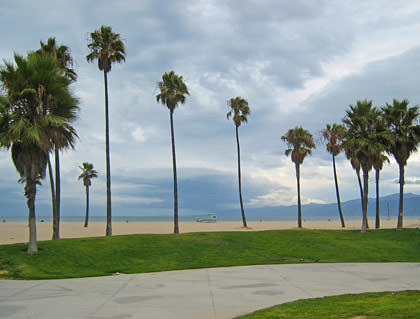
<point>87,173</point>
<point>107,47</point>
<point>401,121</point>
<point>333,135</point>
<point>365,133</point>
<point>239,110</point>
<point>62,54</point>
<point>300,143</point>
<point>173,90</point>
<point>35,87</point>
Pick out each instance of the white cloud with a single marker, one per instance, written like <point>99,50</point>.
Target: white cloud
<point>138,134</point>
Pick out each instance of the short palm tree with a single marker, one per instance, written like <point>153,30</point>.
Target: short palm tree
<point>239,111</point>
<point>300,143</point>
<point>87,174</point>
<point>333,135</point>
<point>65,109</point>
<point>106,47</point>
<point>27,127</point>
<point>405,137</point>
<point>173,91</point>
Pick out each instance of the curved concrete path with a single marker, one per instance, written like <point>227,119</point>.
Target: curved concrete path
<point>214,293</point>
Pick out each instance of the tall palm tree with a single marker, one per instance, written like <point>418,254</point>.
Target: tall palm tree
<point>27,127</point>
<point>405,137</point>
<point>173,91</point>
<point>87,174</point>
<point>106,47</point>
<point>363,141</point>
<point>239,111</point>
<point>333,135</point>
<point>300,143</point>
<point>68,110</point>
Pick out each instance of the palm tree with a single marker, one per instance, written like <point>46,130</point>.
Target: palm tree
<point>107,47</point>
<point>378,164</point>
<point>333,135</point>
<point>173,90</point>
<point>351,155</point>
<point>364,139</point>
<point>87,174</point>
<point>27,127</point>
<point>62,54</point>
<point>68,110</point>
<point>405,137</point>
<point>300,143</point>
<point>239,111</point>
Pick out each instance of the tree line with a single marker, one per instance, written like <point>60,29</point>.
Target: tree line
<point>38,109</point>
<point>367,135</point>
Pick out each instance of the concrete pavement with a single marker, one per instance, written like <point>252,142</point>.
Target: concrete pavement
<point>215,293</point>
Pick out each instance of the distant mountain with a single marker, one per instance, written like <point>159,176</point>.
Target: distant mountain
<point>351,209</point>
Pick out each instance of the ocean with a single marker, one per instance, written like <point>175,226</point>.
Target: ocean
<point>24,218</point>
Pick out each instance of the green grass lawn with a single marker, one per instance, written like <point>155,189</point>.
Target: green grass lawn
<point>384,305</point>
<point>100,256</point>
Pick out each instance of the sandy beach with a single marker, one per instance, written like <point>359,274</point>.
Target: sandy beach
<point>17,232</point>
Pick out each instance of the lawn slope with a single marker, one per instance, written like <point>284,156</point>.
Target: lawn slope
<point>99,256</point>
<point>404,304</point>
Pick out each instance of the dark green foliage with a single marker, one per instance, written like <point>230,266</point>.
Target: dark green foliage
<point>101,256</point>
<point>35,86</point>
<point>403,304</point>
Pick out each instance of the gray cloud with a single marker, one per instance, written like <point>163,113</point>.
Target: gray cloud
<point>297,63</point>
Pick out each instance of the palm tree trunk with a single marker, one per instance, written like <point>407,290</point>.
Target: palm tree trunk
<point>108,162</point>
<point>401,206</point>
<point>239,179</point>
<point>50,173</point>
<point>56,216</point>
<point>87,206</point>
<point>30,192</point>
<point>360,186</point>
<point>365,200</point>
<point>377,219</point>
<point>338,194</point>
<point>298,191</point>
<point>361,192</point>
<point>176,226</point>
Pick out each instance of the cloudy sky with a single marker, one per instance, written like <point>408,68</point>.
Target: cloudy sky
<point>296,62</point>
